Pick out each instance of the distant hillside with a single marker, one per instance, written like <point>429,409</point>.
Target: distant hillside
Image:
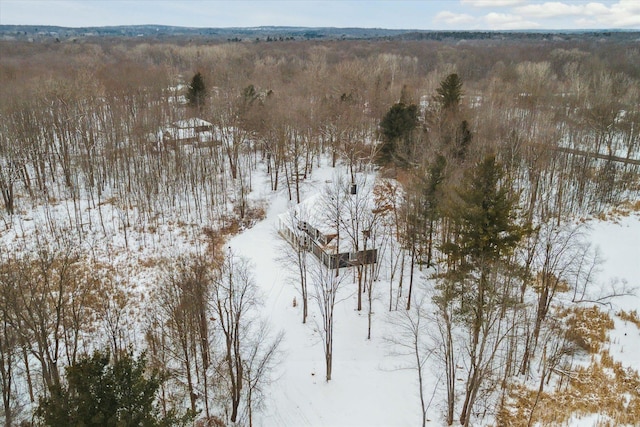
<point>47,33</point>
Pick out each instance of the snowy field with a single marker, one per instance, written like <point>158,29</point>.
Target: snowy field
<point>619,244</point>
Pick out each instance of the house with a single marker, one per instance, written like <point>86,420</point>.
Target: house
<point>307,226</point>
<point>192,130</point>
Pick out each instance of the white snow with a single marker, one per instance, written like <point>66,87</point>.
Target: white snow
<point>618,242</point>
<point>368,387</point>
<point>371,385</point>
<point>619,245</point>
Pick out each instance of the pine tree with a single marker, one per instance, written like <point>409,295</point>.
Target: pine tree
<point>197,92</point>
<point>463,139</point>
<point>99,393</point>
<point>397,128</point>
<point>488,214</point>
<point>447,118</point>
<point>488,231</point>
<point>432,196</point>
<point>450,92</point>
<point>487,227</point>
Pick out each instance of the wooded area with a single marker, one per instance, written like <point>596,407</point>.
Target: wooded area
<point>487,152</point>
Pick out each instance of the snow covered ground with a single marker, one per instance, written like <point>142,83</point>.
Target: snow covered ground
<point>619,244</point>
<point>371,385</point>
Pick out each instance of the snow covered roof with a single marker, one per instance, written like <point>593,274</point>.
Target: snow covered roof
<point>193,129</point>
<point>191,123</point>
<point>314,211</point>
<point>311,210</point>
<point>319,211</point>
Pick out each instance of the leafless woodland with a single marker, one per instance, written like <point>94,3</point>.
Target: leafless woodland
<point>80,145</point>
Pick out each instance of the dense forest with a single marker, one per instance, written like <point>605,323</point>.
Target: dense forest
<point>486,155</point>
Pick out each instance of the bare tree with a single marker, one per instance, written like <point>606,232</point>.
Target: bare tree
<point>249,353</point>
<point>447,351</point>
<point>357,220</point>
<point>183,300</point>
<point>9,166</point>
<point>234,294</point>
<point>295,252</point>
<point>326,285</point>
<point>262,356</point>
<point>387,202</point>
<point>558,257</point>
<point>410,339</point>
<point>42,302</point>
<point>112,313</point>
<point>231,132</point>
<point>9,343</point>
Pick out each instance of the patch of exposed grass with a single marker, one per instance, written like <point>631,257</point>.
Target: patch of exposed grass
<point>587,327</point>
<point>150,262</point>
<point>633,206</point>
<point>255,214</point>
<point>631,316</point>
<point>614,214</point>
<point>602,387</point>
<point>624,209</point>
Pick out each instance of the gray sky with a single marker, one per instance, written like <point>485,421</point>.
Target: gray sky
<point>401,14</point>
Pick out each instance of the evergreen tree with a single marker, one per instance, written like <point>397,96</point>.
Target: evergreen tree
<point>405,95</point>
<point>488,231</point>
<point>463,139</point>
<point>450,92</point>
<point>250,95</point>
<point>485,219</point>
<point>107,395</point>
<point>397,127</point>
<point>487,215</point>
<point>197,92</point>
<point>432,197</point>
<point>453,130</point>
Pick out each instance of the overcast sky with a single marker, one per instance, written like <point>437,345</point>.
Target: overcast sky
<point>422,15</point>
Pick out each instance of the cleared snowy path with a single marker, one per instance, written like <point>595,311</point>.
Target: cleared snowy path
<point>367,388</point>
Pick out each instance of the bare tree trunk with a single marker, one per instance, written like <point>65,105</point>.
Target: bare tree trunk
<point>326,286</point>
<point>399,293</point>
<point>370,279</point>
<point>359,272</point>
<point>25,360</point>
<point>413,257</point>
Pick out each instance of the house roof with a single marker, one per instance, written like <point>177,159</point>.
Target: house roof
<point>310,210</point>
<point>316,211</point>
<point>189,129</point>
<point>193,122</point>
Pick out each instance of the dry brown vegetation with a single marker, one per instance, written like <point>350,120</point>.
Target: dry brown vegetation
<point>631,316</point>
<point>601,386</point>
<point>587,327</point>
<point>624,209</point>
